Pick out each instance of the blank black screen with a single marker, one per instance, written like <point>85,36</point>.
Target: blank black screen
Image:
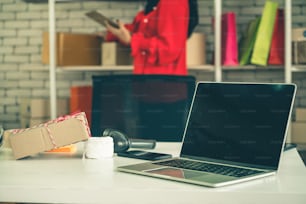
<point>142,106</point>
<point>243,123</point>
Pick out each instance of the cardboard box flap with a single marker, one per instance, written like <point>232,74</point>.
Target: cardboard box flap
<point>29,142</point>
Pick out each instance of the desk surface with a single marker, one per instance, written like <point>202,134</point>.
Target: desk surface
<point>67,178</point>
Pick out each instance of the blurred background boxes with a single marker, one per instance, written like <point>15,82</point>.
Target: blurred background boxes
<point>299,52</point>
<point>299,45</point>
<point>196,49</point>
<point>81,100</point>
<point>26,122</point>
<point>114,53</point>
<point>300,114</point>
<point>299,34</point>
<point>37,110</point>
<point>299,132</point>
<point>73,49</point>
<point>298,129</point>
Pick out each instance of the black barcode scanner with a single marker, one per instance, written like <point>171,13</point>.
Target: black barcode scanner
<point>122,143</point>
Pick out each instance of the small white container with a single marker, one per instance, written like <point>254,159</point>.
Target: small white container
<point>99,148</point>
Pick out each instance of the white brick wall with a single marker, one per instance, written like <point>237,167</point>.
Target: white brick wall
<point>22,24</point>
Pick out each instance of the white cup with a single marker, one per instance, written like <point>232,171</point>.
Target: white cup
<point>99,148</point>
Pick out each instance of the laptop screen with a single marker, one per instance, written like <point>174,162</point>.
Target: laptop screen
<point>239,123</point>
<point>142,106</point>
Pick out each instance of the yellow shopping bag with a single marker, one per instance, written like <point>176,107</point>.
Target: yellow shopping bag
<point>264,35</point>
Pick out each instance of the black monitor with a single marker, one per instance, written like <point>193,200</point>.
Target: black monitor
<point>142,106</point>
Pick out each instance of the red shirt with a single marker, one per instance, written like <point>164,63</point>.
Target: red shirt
<point>158,43</point>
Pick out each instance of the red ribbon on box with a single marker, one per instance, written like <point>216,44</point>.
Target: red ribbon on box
<point>81,116</point>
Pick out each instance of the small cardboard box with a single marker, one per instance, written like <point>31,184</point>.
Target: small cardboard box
<point>6,143</point>
<point>196,49</point>
<point>299,34</point>
<point>298,132</point>
<point>40,108</point>
<point>299,45</point>
<point>114,53</point>
<point>57,133</point>
<point>300,115</point>
<point>299,52</point>
<point>73,49</point>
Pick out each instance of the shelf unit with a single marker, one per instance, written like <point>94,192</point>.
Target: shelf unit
<point>53,68</point>
<point>52,58</point>
<point>217,68</point>
<point>207,68</point>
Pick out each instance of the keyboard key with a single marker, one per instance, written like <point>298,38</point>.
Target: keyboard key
<point>208,167</point>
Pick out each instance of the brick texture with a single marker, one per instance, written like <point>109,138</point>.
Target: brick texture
<point>21,25</point>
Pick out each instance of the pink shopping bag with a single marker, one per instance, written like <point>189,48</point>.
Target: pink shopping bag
<point>229,51</point>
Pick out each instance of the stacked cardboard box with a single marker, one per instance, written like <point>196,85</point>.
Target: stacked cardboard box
<point>114,53</point>
<point>37,110</point>
<point>196,49</point>
<point>299,126</point>
<point>299,45</point>
<point>73,49</point>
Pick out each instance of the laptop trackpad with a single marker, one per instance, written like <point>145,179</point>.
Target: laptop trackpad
<point>178,173</point>
<point>191,175</point>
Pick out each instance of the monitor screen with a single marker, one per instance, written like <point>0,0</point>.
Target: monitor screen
<point>235,122</point>
<point>142,106</point>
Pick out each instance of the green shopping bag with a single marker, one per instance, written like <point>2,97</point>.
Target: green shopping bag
<point>264,34</point>
<point>247,41</point>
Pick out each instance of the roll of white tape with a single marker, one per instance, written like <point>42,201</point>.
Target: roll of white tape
<point>99,148</point>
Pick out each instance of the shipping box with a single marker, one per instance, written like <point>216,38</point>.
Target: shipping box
<point>73,49</point>
<point>299,45</point>
<point>114,53</point>
<point>6,142</point>
<point>299,34</point>
<point>196,49</point>
<point>299,52</point>
<point>298,132</point>
<point>34,111</point>
<point>40,107</point>
<point>300,115</point>
<point>57,133</point>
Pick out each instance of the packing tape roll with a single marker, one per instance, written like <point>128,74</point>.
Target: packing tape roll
<point>99,148</point>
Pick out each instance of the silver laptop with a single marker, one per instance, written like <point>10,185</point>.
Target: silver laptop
<point>235,132</point>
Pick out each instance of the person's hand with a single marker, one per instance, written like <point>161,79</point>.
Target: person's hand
<point>121,33</point>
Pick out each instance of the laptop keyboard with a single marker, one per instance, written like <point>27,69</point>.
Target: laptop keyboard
<point>208,167</point>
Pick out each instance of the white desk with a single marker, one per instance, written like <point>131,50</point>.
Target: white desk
<point>65,178</point>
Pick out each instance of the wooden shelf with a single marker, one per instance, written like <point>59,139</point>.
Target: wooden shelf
<point>252,67</point>
<point>96,68</point>
<point>111,68</point>
<point>298,68</point>
<point>208,68</point>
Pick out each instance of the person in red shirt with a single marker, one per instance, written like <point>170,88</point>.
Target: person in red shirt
<point>158,35</point>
